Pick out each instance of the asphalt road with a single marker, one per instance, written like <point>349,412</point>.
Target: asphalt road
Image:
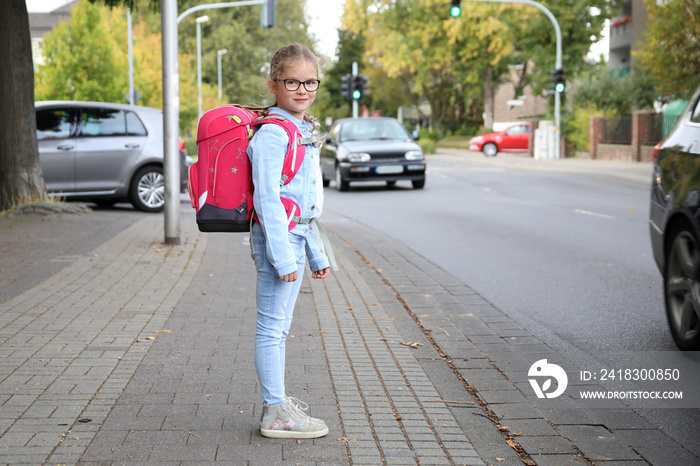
<point>567,255</point>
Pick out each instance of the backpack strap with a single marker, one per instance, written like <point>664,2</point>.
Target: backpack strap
<point>320,234</point>
<point>295,151</point>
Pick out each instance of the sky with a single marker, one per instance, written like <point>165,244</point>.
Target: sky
<point>324,15</point>
<point>324,21</point>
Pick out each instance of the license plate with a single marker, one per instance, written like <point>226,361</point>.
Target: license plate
<point>389,169</point>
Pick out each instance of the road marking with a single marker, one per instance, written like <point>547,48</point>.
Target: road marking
<point>593,214</point>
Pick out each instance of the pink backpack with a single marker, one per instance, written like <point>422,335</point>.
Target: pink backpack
<point>220,181</point>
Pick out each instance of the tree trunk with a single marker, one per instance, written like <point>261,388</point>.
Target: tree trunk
<point>489,91</point>
<point>21,179</point>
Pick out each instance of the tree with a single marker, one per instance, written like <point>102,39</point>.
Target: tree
<point>581,23</point>
<point>84,61</point>
<point>612,95</point>
<point>443,57</point>
<point>671,53</point>
<point>21,180</point>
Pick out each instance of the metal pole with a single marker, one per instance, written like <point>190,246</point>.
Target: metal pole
<point>558,65</point>
<point>171,130</point>
<point>131,56</point>
<point>354,100</point>
<point>218,5</point>
<point>200,20</point>
<point>199,69</point>
<point>219,54</point>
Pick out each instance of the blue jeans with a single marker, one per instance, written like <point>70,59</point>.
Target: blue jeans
<point>275,302</point>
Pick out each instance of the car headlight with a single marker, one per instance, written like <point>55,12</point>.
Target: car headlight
<point>476,140</point>
<point>414,155</point>
<point>359,157</point>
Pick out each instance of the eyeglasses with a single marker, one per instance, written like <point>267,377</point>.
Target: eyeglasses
<point>310,85</point>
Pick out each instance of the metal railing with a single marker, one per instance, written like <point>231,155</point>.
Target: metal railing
<point>618,130</point>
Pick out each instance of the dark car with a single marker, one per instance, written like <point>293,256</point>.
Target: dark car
<point>371,149</point>
<point>674,222</point>
<point>104,153</point>
<point>515,138</point>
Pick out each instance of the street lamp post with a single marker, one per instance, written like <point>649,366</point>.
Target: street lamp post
<point>200,20</point>
<point>219,54</point>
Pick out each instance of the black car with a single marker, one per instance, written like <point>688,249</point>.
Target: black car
<point>371,149</point>
<point>674,220</point>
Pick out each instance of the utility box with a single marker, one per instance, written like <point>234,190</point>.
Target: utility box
<point>544,141</point>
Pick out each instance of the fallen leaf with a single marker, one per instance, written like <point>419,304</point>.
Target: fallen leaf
<point>412,344</point>
<point>502,460</point>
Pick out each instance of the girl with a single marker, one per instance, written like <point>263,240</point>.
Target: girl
<point>280,254</point>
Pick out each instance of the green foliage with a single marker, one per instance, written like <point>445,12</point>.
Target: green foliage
<point>428,145</point>
<point>82,59</point>
<point>426,134</point>
<point>329,101</point>
<point>671,53</point>
<point>454,142</point>
<point>601,89</point>
<point>577,126</point>
<point>191,145</point>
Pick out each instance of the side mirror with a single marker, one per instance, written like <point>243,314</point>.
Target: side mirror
<point>416,135</point>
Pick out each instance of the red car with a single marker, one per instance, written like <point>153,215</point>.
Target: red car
<point>515,138</point>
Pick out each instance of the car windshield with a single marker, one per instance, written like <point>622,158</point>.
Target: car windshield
<point>360,130</point>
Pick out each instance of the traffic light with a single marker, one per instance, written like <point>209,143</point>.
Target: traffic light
<point>268,15</point>
<point>346,86</point>
<point>455,9</point>
<point>360,84</point>
<point>558,80</point>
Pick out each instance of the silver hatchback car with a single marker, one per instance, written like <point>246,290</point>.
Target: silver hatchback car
<point>104,153</point>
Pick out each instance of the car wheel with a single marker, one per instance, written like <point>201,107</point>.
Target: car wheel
<point>489,149</point>
<point>147,192</point>
<point>418,184</point>
<point>340,182</point>
<point>682,289</point>
<point>326,182</point>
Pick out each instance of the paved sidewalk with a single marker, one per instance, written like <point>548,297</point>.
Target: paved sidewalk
<point>140,353</point>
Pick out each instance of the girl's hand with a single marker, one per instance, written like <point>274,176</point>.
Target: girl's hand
<point>320,274</point>
<point>290,277</point>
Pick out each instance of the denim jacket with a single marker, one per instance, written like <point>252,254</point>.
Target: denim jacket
<point>266,152</point>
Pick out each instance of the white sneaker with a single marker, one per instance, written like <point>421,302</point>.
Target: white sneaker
<point>288,420</point>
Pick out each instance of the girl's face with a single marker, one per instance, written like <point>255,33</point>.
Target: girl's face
<point>295,102</point>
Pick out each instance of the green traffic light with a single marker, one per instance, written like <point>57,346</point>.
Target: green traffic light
<point>455,11</point>
<point>559,87</point>
<point>356,94</point>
